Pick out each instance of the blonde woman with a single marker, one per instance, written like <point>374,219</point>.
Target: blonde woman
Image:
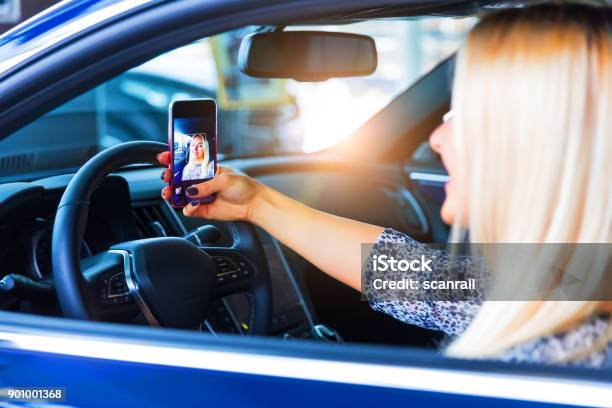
<point>528,153</point>
<point>199,165</point>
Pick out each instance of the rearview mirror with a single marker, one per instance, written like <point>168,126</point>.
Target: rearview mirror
<point>307,55</point>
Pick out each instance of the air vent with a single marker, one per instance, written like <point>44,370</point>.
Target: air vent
<point>18,161</point>
<point>153,220</point>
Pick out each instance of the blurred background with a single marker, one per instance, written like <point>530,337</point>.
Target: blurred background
<point>257,117</point>
<point>263,117</point>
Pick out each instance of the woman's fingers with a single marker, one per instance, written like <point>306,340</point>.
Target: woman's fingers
<point>199,193</point>
<point>207,188</point>
<point>166,176</point>
<point>166,193</point>
<point>164,158</point>
<point>223,170</point>
<point>191,209</point>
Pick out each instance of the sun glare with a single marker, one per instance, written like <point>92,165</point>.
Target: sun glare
<point>331,111</point>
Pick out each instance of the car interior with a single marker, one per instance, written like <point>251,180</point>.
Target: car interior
<point>377,168</point>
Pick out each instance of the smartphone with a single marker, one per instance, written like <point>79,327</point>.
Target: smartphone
<point>192,142</point>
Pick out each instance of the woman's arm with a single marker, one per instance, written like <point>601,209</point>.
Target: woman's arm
<point>331,243</point>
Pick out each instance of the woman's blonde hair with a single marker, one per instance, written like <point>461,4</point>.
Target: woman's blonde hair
<point>532,102</point>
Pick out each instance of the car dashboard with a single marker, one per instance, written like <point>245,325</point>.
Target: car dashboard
<point>127,206</point>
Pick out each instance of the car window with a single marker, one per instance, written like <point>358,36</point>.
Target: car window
<point>256,116</point>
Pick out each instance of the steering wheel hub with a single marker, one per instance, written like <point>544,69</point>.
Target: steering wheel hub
<point>171,280</point>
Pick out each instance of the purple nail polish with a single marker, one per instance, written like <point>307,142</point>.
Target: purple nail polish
<point>208,199</point>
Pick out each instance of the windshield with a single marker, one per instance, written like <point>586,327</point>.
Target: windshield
<point>257,117</point>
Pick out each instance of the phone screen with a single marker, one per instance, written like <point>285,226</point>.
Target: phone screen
<point>193,143</point>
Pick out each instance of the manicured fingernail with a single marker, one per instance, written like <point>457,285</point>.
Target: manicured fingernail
<point>162,176</point>
<point>192,191</point>
<point>195,203</point>
<point>157,157</point>
<point>209,199</point>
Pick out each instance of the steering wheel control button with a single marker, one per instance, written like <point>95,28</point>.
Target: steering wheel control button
<point>232,268</point>
<point>224,265</point>
<point>117,285</point>
<point>115,291</point>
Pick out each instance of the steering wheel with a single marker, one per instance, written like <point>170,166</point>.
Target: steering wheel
<point>169,280</point>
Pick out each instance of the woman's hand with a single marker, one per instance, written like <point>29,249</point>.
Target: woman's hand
<point>234,194</point>
<point>331,243</point>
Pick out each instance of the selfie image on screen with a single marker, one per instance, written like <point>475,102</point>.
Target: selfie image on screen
<point>193,150</point>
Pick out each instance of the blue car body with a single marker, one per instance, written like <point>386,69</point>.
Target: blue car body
<point>99,364</point>
<point>56,25</point>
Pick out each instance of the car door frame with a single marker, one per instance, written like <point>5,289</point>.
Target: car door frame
<point>194,367</point>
